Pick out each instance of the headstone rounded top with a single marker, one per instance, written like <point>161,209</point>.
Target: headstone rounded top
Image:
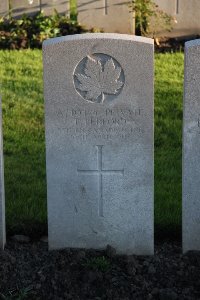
<point>87,36</point>
<point>192,43</point>
<point>98,92</point>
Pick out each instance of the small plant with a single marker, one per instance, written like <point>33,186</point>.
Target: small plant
<point>73,10</point>
<point>98,263</point>
<point>149,18</point>
<point>17,294</point>
<point>31,31</point>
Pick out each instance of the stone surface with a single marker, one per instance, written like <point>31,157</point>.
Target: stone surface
<point>191,147</point>
<point>186,15</point>
<point>61,6</point>
<point>23,7</point>
<point>20,7</point>
<point>99,141</point>
<point>2,194</point>
<point>3,7</point>
<point>110,15</point>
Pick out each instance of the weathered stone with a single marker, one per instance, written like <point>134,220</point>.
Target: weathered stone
<point>3,7</point>
<point>23,7</point>
<point>99,142</point>
<point>61,6</point>
<point>185,14</point>
<point>2,193</point>
<point>191,148</point>
<point>109,15</point>
<point>20,7</point>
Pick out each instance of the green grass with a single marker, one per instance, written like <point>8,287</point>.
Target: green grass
<point>98,263</point>
<point>168,139</point>
<point>24,147</point>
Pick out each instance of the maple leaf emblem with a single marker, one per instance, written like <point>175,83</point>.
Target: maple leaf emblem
<point>98,80</point>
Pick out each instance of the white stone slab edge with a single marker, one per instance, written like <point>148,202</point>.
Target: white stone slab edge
<point>192,43</point>
<point>188,46</point>
<point>85,36</point>
<point>183,153</point>
<point>2,193</point>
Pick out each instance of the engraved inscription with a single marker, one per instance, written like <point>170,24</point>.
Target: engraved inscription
<point>82,124</point>
<point>100,172</point>
<point>98,77</point>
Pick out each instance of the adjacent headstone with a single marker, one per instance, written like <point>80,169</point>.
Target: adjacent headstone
<point>99,141</point>
<point>3,7</point>
<point>2,195</point>
<point>61,6</point>
<point>21,7</point>
<point>191,148</point>
<point>186,16</point>
<point>109,15</point>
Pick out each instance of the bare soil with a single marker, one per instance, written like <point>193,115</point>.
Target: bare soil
<point>29,271</point>
<point>163,45</point>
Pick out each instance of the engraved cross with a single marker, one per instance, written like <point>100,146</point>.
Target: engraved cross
<point>100,172</point>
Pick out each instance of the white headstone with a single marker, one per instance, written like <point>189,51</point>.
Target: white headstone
<point>21,7</point>
<point>109,15</point>
<point>186,16</point>
<point>61,6</point>
<point>2,195</point>
<point>4,7</point>
<point>191,148</point>
<point>99,141</point>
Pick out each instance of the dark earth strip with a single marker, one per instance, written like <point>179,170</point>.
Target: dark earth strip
<point>30,271</point>
<point>163,45</point>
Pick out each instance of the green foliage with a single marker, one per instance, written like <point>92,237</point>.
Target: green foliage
<point>149,18</point>
<point>31,31</point>
<point>73,10</point>
<point>98,263</point>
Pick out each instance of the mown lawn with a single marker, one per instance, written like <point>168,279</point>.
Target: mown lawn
<point>24,147</point>
<point>168,140</point>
